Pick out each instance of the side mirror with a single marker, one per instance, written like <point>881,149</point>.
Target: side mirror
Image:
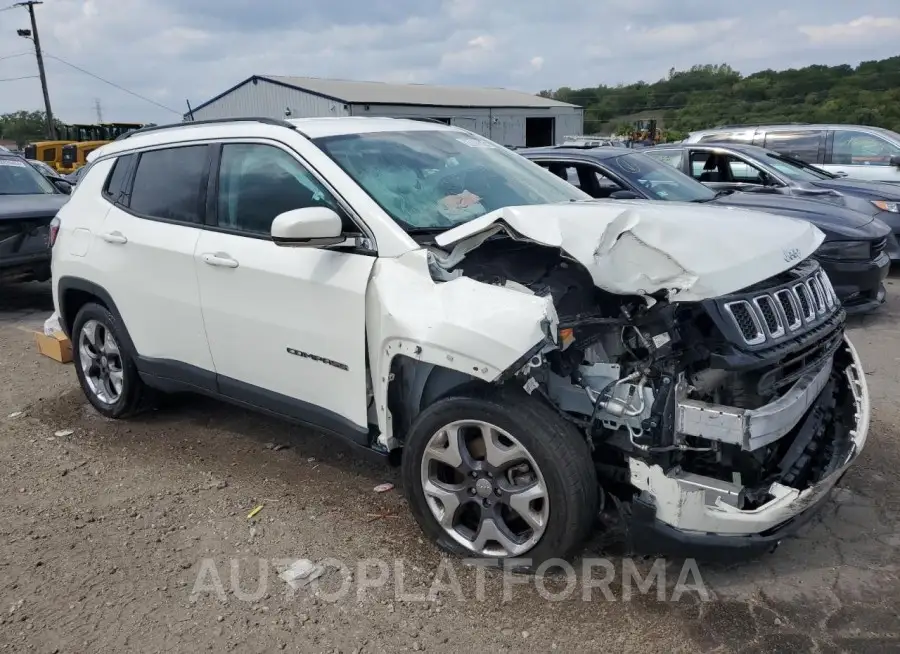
<point>624,195</point>
<point>62,185</point>
<point>307,227</point>
<point>895,160</point>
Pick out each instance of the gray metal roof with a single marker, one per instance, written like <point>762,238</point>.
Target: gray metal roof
<point>357,92</point>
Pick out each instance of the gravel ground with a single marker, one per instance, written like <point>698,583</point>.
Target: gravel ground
<point>135,536</point>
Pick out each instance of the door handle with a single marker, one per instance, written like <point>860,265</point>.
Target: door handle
<point>220,259</point>
<point>114,237</point>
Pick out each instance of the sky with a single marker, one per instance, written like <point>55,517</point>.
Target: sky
<point>172,51</point>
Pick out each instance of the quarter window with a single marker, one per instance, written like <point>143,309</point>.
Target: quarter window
<point>801,144</point>
<point>259,182</point>
<point>170,184</point>
<point>859,148</point>
<point>115,184</point>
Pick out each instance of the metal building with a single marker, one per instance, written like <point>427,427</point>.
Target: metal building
<point>511,118</point>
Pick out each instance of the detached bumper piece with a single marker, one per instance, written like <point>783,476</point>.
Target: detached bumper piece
<point>683,513</point>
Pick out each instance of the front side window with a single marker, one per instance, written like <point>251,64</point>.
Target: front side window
<point>18,177</point>
<point>170,184</point>
<point>437,179</point>
<point>258,182</point>
<point>858,148</point>
<point>801,144</point>
<point>669,157</point>
<point>744,171</point>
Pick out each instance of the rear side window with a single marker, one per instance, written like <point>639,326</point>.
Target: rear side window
<point>170,184</point>
<point>802,144</point>
<point>115,183</point>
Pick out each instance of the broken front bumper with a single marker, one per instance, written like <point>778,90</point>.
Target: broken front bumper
<point>687,511</point>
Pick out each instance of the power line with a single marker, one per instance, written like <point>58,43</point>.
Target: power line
<point>112,84</point>
<point>13,56</point>
<point>15,79</point>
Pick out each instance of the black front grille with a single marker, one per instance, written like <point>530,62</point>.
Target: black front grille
<point>878,247</point>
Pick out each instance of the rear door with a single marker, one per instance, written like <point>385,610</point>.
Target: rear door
<point>863,155</point>
<point>146,244</point>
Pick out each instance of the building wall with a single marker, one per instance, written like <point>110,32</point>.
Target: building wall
<point>268,100</point>
<point>505,126</point>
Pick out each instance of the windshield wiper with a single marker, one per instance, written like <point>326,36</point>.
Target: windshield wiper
<point>424,231</point>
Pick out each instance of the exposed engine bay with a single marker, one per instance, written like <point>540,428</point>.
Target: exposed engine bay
<point>733,403</point>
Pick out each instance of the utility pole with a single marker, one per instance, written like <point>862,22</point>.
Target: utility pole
<point>51,127</point>
<point>99,110</point>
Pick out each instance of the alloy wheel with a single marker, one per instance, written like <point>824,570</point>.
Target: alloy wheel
<point>485,489</point>
<point>101,361</point>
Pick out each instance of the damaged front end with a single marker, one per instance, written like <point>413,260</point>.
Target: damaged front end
<point>721,423</point>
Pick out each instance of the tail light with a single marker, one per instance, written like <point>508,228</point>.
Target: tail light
<point>54,230</point>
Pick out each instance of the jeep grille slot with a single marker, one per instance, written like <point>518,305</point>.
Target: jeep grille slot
<point>771,318</point>
<point>791,308</point>
<point>747,321</point>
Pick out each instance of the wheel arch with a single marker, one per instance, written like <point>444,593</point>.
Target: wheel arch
<point>74,293</point>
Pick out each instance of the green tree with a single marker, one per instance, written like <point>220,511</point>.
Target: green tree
<point>23,127</point>
<point>715,94</point>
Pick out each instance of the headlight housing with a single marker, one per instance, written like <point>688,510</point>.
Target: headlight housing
<point>855,250</point>
<point>887,205</point>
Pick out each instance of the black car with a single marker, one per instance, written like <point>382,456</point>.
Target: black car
<point>853,253</point>
<point>28,202</point>
<point>758,170</point>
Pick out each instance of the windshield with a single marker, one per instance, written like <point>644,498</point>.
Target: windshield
<point>17,177</point>
<point>437,179</point>
<point>659,180</point>
<point>795,170</point>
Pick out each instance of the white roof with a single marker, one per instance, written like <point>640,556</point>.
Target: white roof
<point>364,92</point>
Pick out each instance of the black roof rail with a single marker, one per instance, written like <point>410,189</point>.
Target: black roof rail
<point>421,119</point>
<point>211,121</point>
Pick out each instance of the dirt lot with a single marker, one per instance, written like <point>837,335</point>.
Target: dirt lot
<point>109,527</point>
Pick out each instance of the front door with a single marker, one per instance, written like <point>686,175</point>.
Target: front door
<point>863,156</point>
<point>286,326</point>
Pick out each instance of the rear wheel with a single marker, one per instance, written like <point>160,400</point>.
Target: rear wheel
<point>104,367</point>
<point>500,476</point>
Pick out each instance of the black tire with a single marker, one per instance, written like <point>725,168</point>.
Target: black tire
<point>560,451</point>
<point>135,395</point>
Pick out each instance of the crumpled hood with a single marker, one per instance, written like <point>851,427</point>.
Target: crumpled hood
<point>633,247</point>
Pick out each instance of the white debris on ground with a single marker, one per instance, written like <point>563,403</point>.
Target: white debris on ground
<point>301,573</point>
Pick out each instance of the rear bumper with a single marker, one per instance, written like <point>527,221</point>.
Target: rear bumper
<point>859,284</point>
<point>683,513</point>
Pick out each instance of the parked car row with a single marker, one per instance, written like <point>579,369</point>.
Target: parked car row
<point>853,150</point>
<point>526,350</point>
<point>853,253</point>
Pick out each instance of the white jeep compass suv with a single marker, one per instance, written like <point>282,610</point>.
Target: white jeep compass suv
<point>415,288</point>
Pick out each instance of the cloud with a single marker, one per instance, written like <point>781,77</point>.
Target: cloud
<point>171,51</point>
<point>868,28</point>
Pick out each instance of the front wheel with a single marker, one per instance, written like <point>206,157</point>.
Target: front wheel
<point>500,476</point>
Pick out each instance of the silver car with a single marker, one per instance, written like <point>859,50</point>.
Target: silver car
<point>856,151</point>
